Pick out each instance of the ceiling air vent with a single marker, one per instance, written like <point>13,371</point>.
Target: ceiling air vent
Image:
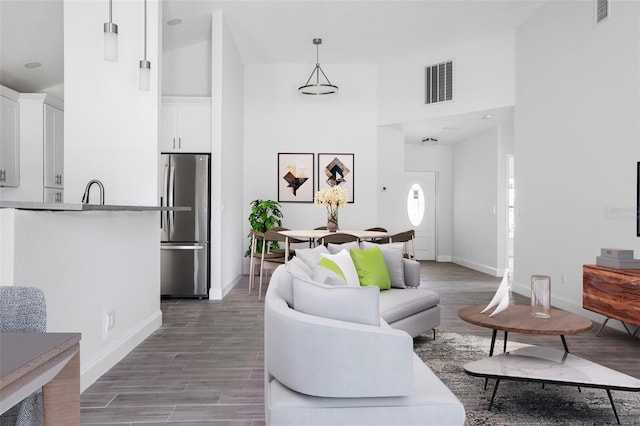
<point>602,10</point>
<point>438,82</point>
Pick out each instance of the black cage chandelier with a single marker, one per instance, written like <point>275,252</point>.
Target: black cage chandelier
<point>313,86</point>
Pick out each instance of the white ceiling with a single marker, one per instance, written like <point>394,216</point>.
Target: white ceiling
<point>353,31</point>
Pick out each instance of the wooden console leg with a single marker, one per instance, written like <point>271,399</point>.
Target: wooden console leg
<point>602,326</point>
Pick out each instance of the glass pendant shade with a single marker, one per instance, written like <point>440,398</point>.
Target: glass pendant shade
<point>145,75</point>
<point>110,41</point>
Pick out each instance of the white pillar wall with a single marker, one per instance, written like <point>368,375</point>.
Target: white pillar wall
<point>111,127</point>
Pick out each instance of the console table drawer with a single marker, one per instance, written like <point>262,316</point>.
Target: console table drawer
<point>614,293</point>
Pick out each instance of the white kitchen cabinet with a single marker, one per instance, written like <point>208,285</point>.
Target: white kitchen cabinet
<point>9,138</point>
<point>185,124</point>
<point>53,147</point>
<point>53,195</point>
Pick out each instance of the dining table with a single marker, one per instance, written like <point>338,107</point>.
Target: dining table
<point>316,234</point>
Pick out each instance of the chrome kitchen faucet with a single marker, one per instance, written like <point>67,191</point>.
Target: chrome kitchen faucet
<point>85,197</point>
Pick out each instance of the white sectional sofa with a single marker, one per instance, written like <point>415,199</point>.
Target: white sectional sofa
<point>340,355</point>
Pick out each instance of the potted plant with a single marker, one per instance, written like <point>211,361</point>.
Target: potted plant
<point>265,214</point>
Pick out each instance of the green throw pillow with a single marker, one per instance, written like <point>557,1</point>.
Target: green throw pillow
<point>371,268</point>
<point>332,266</point>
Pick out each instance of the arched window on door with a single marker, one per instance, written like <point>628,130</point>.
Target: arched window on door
<point>415,204</point>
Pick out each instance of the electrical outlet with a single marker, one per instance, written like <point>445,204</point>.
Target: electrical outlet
<point>111,319</point>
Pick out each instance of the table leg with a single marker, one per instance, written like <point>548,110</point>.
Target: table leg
<point>494,333</point>
<point>61,396</point>
<point>613,406</point>
<point>495,389</point>
<point>493,341</point>
<point>504,349</point>
<point>564,343</point>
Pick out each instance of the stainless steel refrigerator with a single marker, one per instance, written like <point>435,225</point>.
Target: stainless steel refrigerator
<point>184,181</point>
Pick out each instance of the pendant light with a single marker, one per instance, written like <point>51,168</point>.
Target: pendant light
<point>145,66</point>
<point>313,86</point>
<point>110,38</point>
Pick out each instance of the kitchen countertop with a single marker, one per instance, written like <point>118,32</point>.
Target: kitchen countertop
<point>32,205</point>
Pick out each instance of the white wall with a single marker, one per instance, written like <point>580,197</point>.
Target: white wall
<point>228,215</point>
<point>484,78</point>
<point>391,161</point>
<point>475,165</point>
<point>187,71</point>
<point>576,142</point>
<point>111,127</point>
<point>86,261</point>
<point>277,120</point>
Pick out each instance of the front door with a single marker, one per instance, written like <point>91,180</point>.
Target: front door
<point>420,193</point>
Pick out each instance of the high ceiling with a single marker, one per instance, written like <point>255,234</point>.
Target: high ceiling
<point>353,31</point>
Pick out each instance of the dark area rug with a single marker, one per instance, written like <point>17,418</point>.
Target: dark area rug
<point>518,403</point>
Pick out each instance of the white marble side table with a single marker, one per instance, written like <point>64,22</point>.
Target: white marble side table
<point>548,365</point>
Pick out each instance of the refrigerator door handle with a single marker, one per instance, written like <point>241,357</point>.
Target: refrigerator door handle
<point>181,247</point>
<point>170,196</point>
<point>164,215</point>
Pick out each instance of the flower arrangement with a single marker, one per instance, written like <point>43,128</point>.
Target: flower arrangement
<point>332,198</point>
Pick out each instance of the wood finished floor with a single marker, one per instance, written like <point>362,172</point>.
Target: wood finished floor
<point>204,366</point>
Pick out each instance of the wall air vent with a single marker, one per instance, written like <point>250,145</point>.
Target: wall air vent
<point>601,10</point>
<point>438,82</point>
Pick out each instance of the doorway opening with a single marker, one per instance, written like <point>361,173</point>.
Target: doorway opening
<point>511,197</point>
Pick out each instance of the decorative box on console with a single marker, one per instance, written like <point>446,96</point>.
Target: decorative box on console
<point>617,258</point>
<point>616,253</point>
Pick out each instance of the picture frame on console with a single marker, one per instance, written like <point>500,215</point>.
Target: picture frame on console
<point>296,181</point>
<point>337,169</point>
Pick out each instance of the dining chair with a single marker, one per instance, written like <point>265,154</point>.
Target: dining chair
<point>256,238</point>
<point>271,258</point>
<point>408,238</point>
<point>23,310</point>
<point>379,240</point>
<point>337,238</point>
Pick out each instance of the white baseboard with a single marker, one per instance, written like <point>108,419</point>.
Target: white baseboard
<point>231,285</point>
<point>476,266</point>
<point>442,258</point>
<point>115,352</point>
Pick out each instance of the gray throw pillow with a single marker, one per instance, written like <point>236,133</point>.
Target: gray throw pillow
<point>393,254</point>
<point>353,304</point>
<point>311,256</point>
<point>335,248</point>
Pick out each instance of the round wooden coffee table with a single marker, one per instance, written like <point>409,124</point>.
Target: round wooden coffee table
<point>518,319</point>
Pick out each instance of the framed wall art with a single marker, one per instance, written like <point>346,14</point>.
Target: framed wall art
<point>336,169</point>
<point>295,177</point>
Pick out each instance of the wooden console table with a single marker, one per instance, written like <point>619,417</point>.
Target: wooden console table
<point>614,293</point>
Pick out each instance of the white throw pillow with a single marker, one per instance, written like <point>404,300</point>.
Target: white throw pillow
<point>335,248</point>
<point>311,256</point>
<point>393,254</point>
<point>360,305</point>
<point>345,263</point>
<point>327,276</point>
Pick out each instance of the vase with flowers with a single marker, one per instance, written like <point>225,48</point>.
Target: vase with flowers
<point>332,198</point>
